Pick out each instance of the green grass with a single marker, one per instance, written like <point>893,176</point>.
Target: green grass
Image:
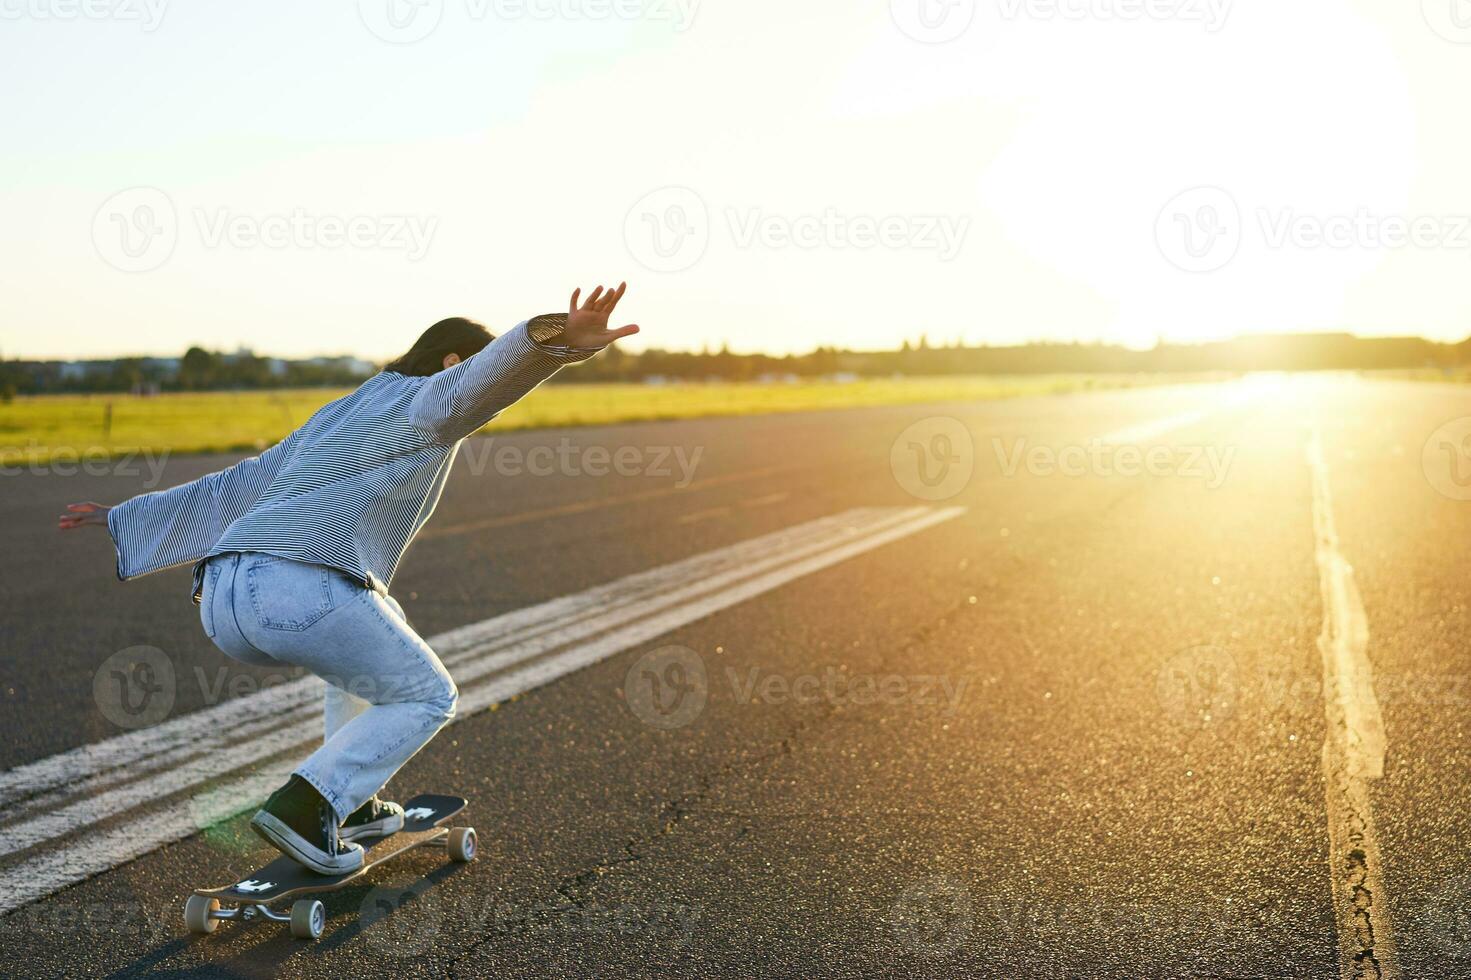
<point>37,430</point>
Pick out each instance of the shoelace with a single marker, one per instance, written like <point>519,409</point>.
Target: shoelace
<point>329,829</point>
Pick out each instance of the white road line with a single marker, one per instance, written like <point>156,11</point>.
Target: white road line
<point>479,650</point>
<point>1353,752</point>
<point>120,757</point>
<point>149,827</point>
<point>1153,429</point>
<point>227,751</point>
<point>703,515</point>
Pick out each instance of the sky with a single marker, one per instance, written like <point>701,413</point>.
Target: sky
<point>334,176</point>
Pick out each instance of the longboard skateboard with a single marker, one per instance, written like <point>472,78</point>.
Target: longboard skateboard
<point>284,879</point>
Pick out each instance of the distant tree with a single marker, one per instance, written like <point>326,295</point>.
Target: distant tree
<point>197,369</point>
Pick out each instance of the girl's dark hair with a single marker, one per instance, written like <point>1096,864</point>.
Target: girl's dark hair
<point>456,335</point>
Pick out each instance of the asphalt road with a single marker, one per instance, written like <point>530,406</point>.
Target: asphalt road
<point>996,692</point>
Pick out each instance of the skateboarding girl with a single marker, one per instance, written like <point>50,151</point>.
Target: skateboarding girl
<point>294,549</point>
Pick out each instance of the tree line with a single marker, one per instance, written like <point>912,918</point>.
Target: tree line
<point>202,370</point>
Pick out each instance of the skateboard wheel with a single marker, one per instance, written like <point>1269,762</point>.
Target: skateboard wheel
<point>308,919</point>
<point>197,917</point>
<point>462,844</point>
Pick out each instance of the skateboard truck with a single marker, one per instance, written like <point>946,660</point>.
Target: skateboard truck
<point>308,916</point>
<point>251,898</point>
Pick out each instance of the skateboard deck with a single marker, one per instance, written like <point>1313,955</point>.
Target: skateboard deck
<point>284,879</point>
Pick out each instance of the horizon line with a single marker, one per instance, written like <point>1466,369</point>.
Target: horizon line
<point>708,351</point>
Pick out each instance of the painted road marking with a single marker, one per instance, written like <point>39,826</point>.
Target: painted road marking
<point>599,503</point>
<point>119,758</point>
<point>504,642</point>
<point>1145,432</point>
<point>1353,751</point>
<point>170,800</point>
<point>703,515</point>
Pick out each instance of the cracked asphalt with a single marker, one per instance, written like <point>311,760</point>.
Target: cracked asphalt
<point>1077,731</point>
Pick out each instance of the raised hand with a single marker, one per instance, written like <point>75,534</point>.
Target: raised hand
<point>81,515</point>
<point>587,326</point>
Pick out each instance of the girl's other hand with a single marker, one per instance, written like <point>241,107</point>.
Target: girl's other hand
<point>80,515</point>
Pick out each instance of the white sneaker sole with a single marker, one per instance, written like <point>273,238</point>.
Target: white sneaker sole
<point>390,824</point>
<point>296,847</point>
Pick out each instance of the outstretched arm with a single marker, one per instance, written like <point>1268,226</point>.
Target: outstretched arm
<point>158,530</point>
<point>460,399</point>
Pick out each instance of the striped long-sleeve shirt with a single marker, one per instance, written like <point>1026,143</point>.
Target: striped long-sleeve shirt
<point>351,487</point>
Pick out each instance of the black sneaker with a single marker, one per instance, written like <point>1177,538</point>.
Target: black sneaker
<point>375,818</point>
<point>298,822</point>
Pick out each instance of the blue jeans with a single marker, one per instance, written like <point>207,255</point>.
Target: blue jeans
<point>387,693</point>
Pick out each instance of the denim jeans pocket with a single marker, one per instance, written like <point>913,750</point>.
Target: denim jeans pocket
<point>207,598</point>
<point>288,595</point>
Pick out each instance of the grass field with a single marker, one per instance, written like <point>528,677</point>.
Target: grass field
<point>51,428</point>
